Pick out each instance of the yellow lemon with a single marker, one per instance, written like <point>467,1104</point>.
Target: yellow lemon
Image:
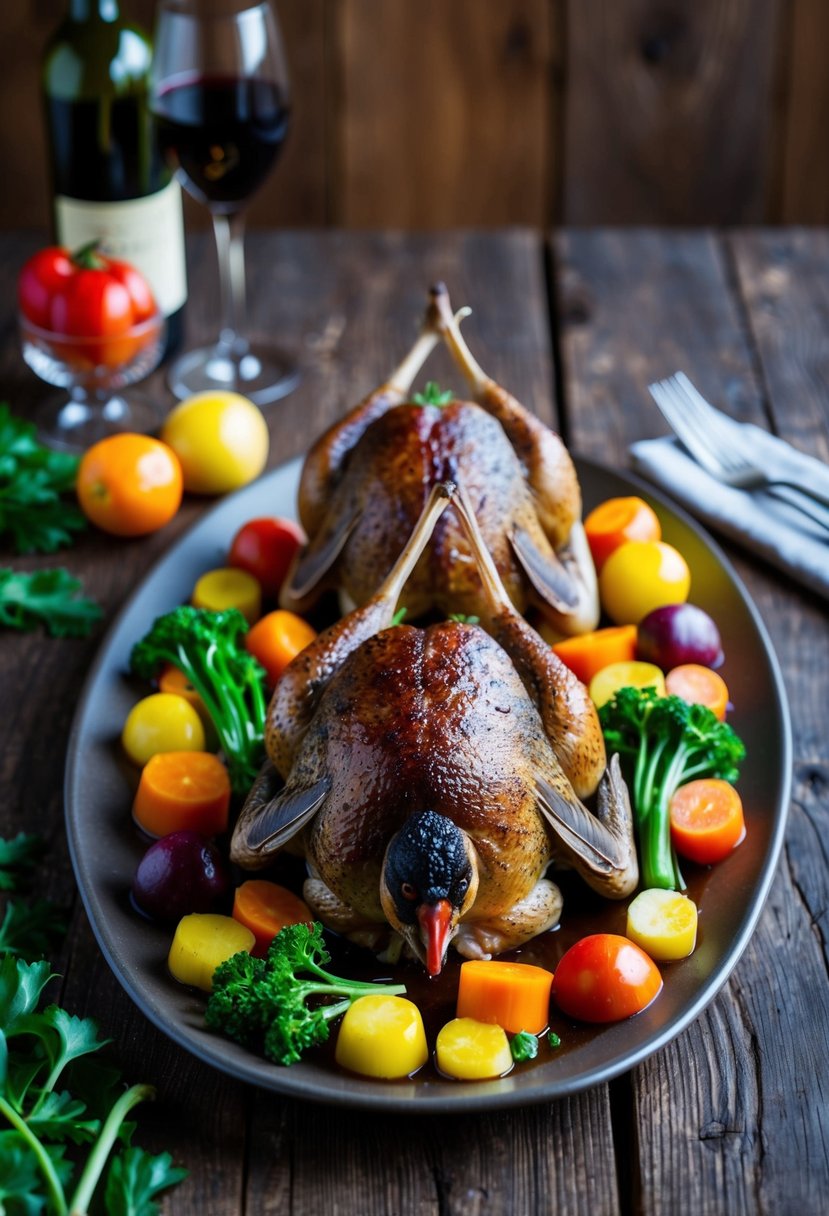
<point>221,440</point>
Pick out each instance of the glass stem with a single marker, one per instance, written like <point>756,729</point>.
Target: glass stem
<point>229,232</point>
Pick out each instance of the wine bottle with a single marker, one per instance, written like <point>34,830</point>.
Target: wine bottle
<point>109,178</point>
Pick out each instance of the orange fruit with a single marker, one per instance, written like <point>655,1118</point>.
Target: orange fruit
<point>129,485</point>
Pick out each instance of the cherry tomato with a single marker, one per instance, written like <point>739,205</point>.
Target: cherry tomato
<point>265,548</point>
<point>642,575</point>
<point>44,275</point>
<point>129,484</point>
<point>605,978</point>
<point>88,296</point>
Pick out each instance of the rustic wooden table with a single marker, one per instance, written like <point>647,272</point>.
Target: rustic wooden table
<point>732,1115</point>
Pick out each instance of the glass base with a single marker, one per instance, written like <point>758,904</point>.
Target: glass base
<point>257,371</point>
<point>76,422</point>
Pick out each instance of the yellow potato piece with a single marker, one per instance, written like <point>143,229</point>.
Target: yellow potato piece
<point>632,673</point>
<point>228,587</point>
<point>382,1036</point>
<point>162,722</point>
<point>473,1051</point>
<point>202,941</point>
<point>663,923</point>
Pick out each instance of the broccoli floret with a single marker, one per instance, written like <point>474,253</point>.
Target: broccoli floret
<point>208,648</point>
<point>264,1002</point>
<point>664,742</point>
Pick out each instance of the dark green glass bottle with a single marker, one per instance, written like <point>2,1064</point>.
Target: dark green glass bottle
<point>109,179</point>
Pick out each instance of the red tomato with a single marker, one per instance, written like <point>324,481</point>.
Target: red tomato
<point>265,548</point>
<point>86,295</point>
<point>605,978</point>
<point>44,275</point>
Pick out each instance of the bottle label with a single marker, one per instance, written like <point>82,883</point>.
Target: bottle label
<point>148,232</point>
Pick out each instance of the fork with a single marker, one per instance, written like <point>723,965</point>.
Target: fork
<point>712,441</point>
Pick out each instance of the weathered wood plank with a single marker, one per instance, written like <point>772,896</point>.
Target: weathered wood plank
<point>667,111</point>
<point>802,193</point>
<point>445,113</point>
<point>714,1112</point>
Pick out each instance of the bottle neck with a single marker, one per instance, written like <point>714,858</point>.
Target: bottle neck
<point>94,10</point>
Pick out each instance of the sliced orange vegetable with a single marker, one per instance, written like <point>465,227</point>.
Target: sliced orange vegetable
<point>619,519</point>
<point>265,908</point>
<point>707,821</point>
<point>277,639</point>
<point>229,588</point>
<point>588,653</point>
<point>179,790</point>
<point>174,681</point>
<point>515,996</point>
<point>699,685</point>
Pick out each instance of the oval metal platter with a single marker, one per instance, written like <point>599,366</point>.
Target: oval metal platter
<point>106,847</point>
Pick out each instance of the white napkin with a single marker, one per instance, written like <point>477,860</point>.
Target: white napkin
<point>757,519</point>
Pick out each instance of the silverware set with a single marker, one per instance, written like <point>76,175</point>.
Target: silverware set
<point>714,441</point>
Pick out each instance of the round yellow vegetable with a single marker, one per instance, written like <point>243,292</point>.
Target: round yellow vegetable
<point>221,440</point>
<point>472,1051</point>
<point>633,673</point>
<point>642,575</point>
<point>202,941</point>
<point>229,588</point>
<point>162,722</point>
<point>663,924</point>
<point>382,1036</point>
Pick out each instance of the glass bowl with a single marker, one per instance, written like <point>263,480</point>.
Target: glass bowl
<point>94,371</point>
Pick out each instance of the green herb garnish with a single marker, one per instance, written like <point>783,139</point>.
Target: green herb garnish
<point>462,619</point>
<point>399,616</point>
<point>432,395</point>
<point>46,597</point>
<point>524,1046</point>
<point>34,481</point>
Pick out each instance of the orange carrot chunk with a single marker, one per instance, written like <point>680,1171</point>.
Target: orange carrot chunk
<point>265,908</point>
<point>514,996</point>
<point>588,653</point>
<point>699,685</point>
<point>277,639</point>
<point>707,820</point>
<point>617,520</point>
<point>183,790</point>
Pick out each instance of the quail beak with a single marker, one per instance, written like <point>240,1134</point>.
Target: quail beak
<point>435,921</point>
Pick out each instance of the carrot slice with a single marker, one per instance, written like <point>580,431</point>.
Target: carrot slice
<point>515,996</point>
<point>699,685</point>
<point>277,639</point>
<point>617,520</point>
<point>179,790</point>
<point>265,908</point>
<point>707,820</point>
<point>588,653</point>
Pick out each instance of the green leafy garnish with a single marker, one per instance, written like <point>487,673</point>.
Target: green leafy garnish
<point>553,1039</point>
<point>46,597</point>
<point>38,1048</point>
<point>524,1046</point>
<point>17,860</point>
<point>432,395</point>
<point>34,481</point>
<point>399,616</point>
<point>263,1002</point>
<point>31,930</point>
<point>462,619</point>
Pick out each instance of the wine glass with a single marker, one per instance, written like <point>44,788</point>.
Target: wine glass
<point>219,92</point>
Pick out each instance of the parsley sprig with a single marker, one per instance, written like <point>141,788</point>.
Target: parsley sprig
<point>35,513</point>
<point>433,395</point>
<point>46,597</point>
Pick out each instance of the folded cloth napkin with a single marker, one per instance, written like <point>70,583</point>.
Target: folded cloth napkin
<point>757,519</point>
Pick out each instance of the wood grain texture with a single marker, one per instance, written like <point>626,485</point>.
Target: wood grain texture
<point>731,1108</point>
<point>668,110</point>
<point>442,113</point>
<point>803,187</point>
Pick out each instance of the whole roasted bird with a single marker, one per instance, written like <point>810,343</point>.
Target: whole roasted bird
<point>365,481</point>
<point>432,774</point>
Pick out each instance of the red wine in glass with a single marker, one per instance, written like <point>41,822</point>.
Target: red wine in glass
<point>220,95</point>
<point>225,134</point>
